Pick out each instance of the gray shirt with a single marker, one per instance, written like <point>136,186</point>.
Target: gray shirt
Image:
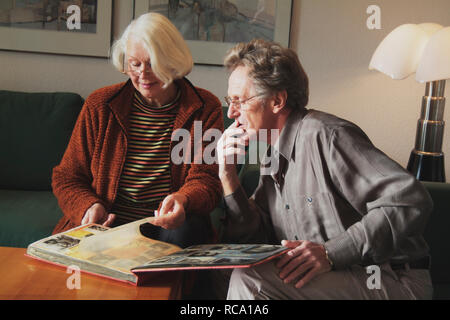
<point>333,187</point>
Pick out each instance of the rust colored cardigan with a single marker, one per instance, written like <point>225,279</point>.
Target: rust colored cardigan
<point>91,167</point>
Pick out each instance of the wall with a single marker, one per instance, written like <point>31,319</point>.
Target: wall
<point>335,48</point>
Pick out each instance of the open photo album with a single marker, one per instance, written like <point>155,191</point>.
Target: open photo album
<point>123,253</point>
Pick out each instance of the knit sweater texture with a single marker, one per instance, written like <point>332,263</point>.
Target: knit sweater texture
<point>91,167</point>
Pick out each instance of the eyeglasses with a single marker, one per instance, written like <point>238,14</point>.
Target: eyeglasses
<point>137,67</point>
<point>238,103</point>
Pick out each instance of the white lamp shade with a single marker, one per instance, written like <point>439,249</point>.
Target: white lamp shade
<point>435,62</point>
<point>430,28</point>
<point>399,54</point>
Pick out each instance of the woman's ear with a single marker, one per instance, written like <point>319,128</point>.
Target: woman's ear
<point>279,100</point>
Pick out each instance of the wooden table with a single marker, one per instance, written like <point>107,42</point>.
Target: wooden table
<point>24,278</point>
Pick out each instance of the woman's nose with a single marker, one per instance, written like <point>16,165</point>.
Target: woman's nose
<point>145,68</point>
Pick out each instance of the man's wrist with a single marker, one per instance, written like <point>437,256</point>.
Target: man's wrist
<point>230,182</point>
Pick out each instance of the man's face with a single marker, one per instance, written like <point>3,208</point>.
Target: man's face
<point>252,115</point>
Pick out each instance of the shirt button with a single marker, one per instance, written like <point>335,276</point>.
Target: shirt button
<point>287,207</point>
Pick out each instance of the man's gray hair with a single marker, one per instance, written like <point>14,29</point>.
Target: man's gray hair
<point>273,68</point>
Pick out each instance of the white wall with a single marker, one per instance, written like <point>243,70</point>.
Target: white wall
<point>334,46</point>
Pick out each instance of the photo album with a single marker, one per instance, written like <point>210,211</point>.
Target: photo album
<point>123,253</point>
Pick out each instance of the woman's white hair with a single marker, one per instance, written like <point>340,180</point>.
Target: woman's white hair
<point>169,54</point>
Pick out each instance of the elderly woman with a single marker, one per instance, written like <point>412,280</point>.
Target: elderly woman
<point>117,167</point>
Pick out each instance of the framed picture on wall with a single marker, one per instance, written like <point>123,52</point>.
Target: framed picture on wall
<point>74,27</point>
<point>211,27</point>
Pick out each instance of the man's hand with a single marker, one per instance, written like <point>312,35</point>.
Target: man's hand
<point>306,260</point>
<point>97,214</point>
<point>230,146</point>
<point>172,214</point>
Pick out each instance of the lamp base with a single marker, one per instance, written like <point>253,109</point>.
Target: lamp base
<point>427,167</point>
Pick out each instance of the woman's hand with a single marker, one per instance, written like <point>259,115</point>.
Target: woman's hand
<point>172,214</point>
<point>97,214</point>
<point>306,260</point>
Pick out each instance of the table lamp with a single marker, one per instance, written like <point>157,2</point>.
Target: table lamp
<point>423,49</point>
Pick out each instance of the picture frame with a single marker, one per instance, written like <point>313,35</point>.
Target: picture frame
<point>94,43</point>
<point>212,52</point>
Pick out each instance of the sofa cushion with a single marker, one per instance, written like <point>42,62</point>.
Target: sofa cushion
<point>35,129</point>
<point>437,230</point>
<point>27,216</point>
<point>441,291</point>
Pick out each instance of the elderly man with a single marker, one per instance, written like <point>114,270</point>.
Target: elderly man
<point>348,213</point>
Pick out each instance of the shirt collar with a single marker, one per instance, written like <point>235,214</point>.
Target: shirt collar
<point>286,141</point>
<point>273,161</point>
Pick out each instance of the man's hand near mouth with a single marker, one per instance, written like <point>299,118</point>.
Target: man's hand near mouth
<point>231,146</point>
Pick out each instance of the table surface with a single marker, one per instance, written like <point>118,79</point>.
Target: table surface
<point>24,278</point>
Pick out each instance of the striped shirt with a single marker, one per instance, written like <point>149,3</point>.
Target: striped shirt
<point>146,178</point>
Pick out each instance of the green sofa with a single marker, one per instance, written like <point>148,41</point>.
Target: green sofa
<point>436,232</point>
<point>35,129</point>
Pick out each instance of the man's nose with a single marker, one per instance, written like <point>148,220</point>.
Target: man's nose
<point>233,112</point>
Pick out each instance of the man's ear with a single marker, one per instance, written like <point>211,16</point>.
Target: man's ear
<point>279,101</point>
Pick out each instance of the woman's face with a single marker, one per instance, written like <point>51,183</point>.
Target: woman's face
<point>138,68</point>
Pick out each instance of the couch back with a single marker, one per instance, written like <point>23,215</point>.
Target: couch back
<point>35,129</point>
